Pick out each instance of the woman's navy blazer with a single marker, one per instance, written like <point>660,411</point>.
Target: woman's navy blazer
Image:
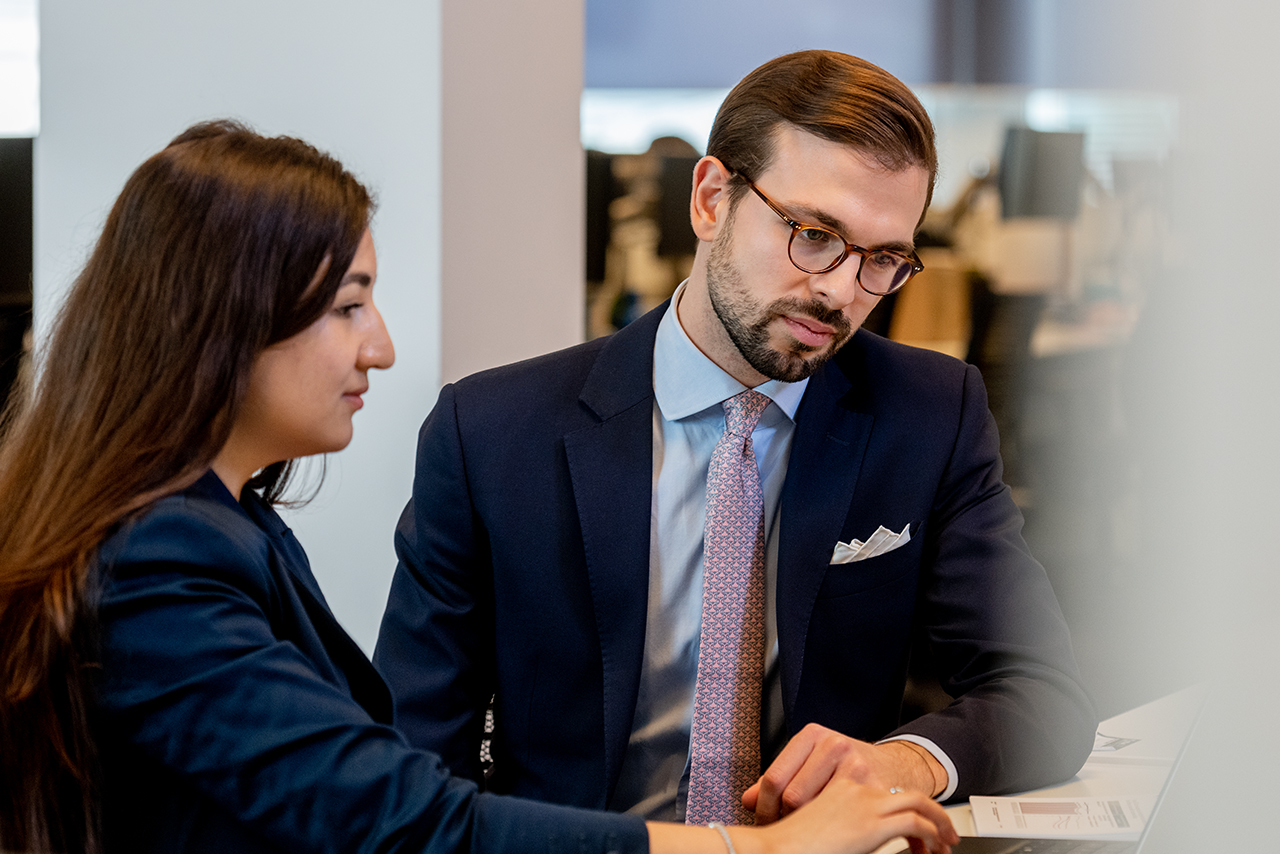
<point>235,714</point>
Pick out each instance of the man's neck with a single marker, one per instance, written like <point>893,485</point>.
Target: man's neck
<point>699,321</point>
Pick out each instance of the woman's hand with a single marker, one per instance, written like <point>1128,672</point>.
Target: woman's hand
<point>845,818</point>
<point>853,818</point>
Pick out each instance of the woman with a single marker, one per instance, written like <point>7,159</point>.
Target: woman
<point>173,678</point>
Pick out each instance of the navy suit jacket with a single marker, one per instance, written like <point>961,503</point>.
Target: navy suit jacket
<point>524,560</point>
<point>235,715</point>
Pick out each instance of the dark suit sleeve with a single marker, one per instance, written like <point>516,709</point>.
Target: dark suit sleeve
<point>435,645</point>
<point>202,691</point>
<point>1000,642</point>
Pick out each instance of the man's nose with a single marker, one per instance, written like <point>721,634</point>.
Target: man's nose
<point>839,287</point>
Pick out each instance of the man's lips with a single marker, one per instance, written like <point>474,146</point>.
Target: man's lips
<point>808,331</point>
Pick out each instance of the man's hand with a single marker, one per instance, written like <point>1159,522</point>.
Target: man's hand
<point>818,755</point>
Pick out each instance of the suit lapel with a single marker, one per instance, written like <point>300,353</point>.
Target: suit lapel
<point>611,467</point>
<point>832,431</point>
<point>365,683</point>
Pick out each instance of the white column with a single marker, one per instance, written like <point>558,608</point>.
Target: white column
<point>513,181</point>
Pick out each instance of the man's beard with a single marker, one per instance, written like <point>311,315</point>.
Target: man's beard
<point>747,323</point>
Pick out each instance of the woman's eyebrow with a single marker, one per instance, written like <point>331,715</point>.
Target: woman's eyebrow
<point>357,278</point>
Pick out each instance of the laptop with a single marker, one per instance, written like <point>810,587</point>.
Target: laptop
<point>1093,845</point>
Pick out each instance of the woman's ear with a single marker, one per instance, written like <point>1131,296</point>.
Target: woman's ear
<point>709,202</point>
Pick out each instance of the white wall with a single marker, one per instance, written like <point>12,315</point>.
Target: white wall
<point>364,82</point>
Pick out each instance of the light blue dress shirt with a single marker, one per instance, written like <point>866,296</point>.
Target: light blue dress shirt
<point>688,420</point>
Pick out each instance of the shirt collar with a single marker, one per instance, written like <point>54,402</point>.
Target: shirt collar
<point>685,381</point>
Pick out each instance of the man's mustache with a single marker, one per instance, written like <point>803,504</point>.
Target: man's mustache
<point>810,308</point>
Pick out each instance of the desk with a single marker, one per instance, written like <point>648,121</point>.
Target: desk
<point>1138,769</point>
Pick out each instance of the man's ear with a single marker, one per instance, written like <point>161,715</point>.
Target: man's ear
<point>709,202</point>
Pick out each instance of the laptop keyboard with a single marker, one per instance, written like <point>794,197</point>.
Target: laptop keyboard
<point>995,845</point>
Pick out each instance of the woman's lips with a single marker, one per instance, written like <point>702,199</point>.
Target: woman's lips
<point>355,398</point>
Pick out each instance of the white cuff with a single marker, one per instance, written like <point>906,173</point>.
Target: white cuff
<point>953,777</point>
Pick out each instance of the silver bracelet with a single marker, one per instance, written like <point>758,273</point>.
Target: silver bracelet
<point>724,834</point>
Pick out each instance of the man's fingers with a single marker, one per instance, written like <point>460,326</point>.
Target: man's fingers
<point>834,755</point>
<point>779,774</point>
<point>817,757</point>
<point>810,779</point>
<point>807,764</point>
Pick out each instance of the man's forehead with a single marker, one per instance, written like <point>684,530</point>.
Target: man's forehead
<point>837,185</point>
<point>792,143</point>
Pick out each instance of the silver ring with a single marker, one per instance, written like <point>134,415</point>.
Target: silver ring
<point>894,790</point>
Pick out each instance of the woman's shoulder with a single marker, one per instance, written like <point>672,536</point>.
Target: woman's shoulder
<point>202,525</point>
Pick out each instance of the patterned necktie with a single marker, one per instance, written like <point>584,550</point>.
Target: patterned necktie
<point>726,706</point>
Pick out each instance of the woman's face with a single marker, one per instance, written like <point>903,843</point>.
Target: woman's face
<point>304,390</point>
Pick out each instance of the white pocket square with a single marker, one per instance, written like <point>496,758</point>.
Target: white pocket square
<point>883,540</point>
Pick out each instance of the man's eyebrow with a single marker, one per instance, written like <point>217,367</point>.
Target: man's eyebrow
<point>357,278</point>
<point>805,214</point>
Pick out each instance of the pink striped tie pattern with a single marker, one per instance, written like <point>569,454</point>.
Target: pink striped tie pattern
<point>726,707</point>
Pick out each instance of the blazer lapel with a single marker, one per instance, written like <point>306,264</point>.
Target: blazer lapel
<point>832,431</point>
<point>611,467</point>
<point>366,684</point>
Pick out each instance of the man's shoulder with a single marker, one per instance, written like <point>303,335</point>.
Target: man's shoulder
<point>890,354</point>
<point>876,366</point>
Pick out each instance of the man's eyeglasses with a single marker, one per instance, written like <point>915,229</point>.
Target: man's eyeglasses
<point>814,249</point>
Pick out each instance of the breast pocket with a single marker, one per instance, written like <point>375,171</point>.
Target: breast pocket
<point>889,571</point>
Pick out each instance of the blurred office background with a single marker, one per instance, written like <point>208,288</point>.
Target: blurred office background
<point>1099,244</point>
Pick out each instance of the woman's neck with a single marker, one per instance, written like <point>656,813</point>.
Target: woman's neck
<point>233,467</point>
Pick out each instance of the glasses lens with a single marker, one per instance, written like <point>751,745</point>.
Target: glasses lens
<point>815,249</point>
<point>885,272</point>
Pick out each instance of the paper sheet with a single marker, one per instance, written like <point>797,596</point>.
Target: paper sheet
<point>1052,818</point>
<point>1107,743</point>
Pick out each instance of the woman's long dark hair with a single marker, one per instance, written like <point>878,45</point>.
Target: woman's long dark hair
<point>220,245</point>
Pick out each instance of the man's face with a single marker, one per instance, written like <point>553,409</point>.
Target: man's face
<point>782,322</point>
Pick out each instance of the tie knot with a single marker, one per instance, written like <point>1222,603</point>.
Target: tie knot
<point>743,410</point>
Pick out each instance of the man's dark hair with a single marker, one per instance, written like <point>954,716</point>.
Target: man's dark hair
<point>831,95</point>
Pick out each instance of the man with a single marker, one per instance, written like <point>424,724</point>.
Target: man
<point>655,620</point>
